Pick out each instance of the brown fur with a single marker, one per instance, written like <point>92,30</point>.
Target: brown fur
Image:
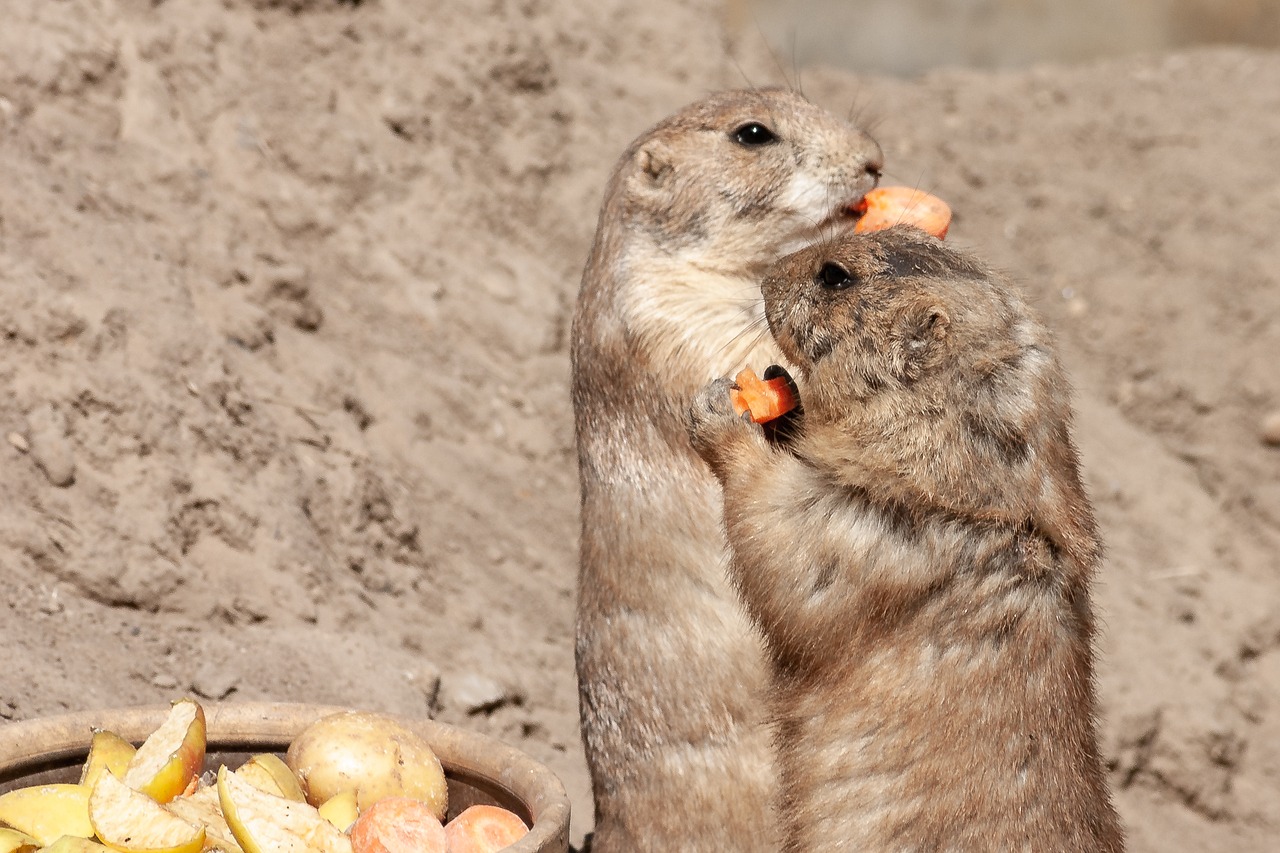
<point>918,556</point>
<point>670,670</point>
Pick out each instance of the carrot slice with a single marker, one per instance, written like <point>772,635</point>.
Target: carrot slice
<point>484,829</point>
<point>884,207</point>
<point>398,825</point>
<point>765,399</point>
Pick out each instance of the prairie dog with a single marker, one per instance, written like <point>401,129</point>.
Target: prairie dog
<point>670,669</point>
<point>918,555</point>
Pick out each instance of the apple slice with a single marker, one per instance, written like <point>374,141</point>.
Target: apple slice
<point>268,772</point>
<point>132,822</point>
<point>48,812</point>
<point>290,787</point>
<point>265,823</point>
<point>172,756</point>
<point>13,841</point>
<point>108,752</point>
<point>74,844</point>
<point>201,808</point>
<point>341,809</point>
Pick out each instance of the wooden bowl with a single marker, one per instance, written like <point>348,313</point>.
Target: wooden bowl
<point>479,769</point>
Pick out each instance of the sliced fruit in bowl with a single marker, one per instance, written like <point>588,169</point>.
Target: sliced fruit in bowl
<point>48,812</point>
<point>132,822</point>
<point>340,809</point>
<point>75,844</point>
<point>201,808</point>
<point>266,823</point>
<point>171,756</point>
<point>268,772</point>
<point>108,753</point>
<point>13,841</point>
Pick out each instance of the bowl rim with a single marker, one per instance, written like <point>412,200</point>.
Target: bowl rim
<point>28,746</point>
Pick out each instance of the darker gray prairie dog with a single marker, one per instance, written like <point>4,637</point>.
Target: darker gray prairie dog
<point>918,555</point>
<point>670,669</point>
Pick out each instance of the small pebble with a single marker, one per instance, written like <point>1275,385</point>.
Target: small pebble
<point>309,317</point>
<point>249,327</point>
<point>214,682</point>
<point>50,448</point>
<point>19,442</point>
<point>287,280</point>
<point>52,605</point>
<point>164,682</point>
<point>1271,429</point>
<point>477,694</point>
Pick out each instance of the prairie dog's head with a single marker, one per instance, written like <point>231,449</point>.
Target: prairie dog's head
<point>744,176</point>
<point>893,312</point>
<point>925,376</point>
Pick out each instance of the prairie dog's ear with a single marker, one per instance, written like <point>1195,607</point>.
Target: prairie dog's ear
<point>654,161</point>
<point>921,328</point>
<point>923,325</point>
<point>935,323</point>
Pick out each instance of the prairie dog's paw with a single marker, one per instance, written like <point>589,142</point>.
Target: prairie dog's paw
<point>714,427</point>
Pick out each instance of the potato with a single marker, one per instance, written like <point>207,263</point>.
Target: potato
<point>370,753</point>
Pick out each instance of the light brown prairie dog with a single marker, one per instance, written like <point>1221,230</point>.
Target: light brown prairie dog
<point>670,670</point>
<point>918,555</point>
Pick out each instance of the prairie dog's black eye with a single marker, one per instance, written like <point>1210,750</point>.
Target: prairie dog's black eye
<point>754,133</point>
<point>834,277</point>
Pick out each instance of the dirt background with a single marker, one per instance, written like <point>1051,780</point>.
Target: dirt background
<point>284,295</point>
<point>911,36</point>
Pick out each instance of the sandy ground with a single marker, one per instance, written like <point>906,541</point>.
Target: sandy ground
<point>284,293</point>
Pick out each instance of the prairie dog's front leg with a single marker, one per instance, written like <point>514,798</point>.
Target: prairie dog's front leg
<point>775,571</point>
<point>730,444</point>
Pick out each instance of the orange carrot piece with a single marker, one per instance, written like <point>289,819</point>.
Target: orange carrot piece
<point>398,825</point>
<point>192,786</point>
<point>884,207</point>
<point>484,829</point>
<point>765,399</point>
